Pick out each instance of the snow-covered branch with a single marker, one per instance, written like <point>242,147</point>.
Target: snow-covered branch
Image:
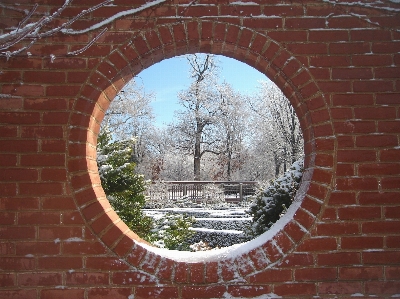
<point>29,31</point>
<point>385,7</point>
<point>380,5</point>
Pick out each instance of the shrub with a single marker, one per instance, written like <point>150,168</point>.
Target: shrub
<point>273,202</point>
<point>172,231</point>
<point>123,187</point>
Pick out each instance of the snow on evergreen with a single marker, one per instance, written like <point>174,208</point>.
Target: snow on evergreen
<point>273,202</point>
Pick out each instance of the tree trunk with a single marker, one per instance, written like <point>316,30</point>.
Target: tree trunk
<point>197,154</point>
<point>277,165</point>
<point>229,153</point>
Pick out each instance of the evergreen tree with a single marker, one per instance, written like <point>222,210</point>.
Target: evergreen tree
<point>172,231</point>
<point>123,187</point>
<point>272,203</point>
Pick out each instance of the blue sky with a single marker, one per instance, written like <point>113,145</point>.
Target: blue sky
<point>171,76</point>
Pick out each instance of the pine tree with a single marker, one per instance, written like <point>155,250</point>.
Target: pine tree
<point>124,188</point>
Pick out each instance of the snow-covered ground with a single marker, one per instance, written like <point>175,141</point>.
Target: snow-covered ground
<point>217,227</point>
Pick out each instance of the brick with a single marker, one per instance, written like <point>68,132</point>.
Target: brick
<point>44,77</point>
<point>338,198</point>
<point>338,258</point>
<point>196,273</point>
<point>83,248</point>
<point>7,248</point>
<point>315,274</point>
<point>379,169</point>
<point>360,273</point>
<point>356,213</point>
<point>41,189</point>
<point>369,35</point>
<point>390,155</point>
<point>62,294</point>
<point>86,278</point>
<point>203,291</point>
<point>329,61</point>
<point>7,280</point>
<point>262,23</point>
<point>24,90</point>
<point>376,141</point>
<point>25,218</point>
<point>42,132</point>
<point>295,289</point>
<point>389,126</point>
<point>39,248</point>
<point>378,198</point>
<point>39,279</point>
<point>380,227</point>
<point>334,229</point>
<point>356,183</point>
<point>7,218</point>
<point>268,276</point>
<point>353,73</point>
<point>43,160</point>
<point>390,182</point>
<point>132,278</point>
<point>328,35</point>
<point>381,287</point>
<point>385,47</point>
<point>361,242</point>
<point>58,203</point>
<point>329,214</point>
<point>156,292</point>
<point>352,99</point>
<point>116,293</point>
<point>349,127</point>
<point>17,263</point>
<point>228,269</point>
<point>305,22</point>
<point>60,232</point>
<point>54,175</point>
<point>247,291</point>
<point>392,212</point>
<point>340,288</point>
<point>18,294</point>
<point>297,260</point>
<point>17,232</point>
<point>349,48</point>
<point>381,257</point>
<point>344,22</point>
<point>345,169</point>
<point>392,273</point>
<point>19,174</point>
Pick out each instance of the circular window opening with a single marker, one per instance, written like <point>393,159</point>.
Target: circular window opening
<point>200,152</point>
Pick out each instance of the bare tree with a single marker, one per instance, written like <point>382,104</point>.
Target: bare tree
<point>130,115</point>
<point>280,125</point>
<point>232,129</point>
<point>195,132</point>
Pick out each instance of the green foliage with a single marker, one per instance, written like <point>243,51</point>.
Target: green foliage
<point>271,204</point>
<point>123,187</point>
<point>173,231</point>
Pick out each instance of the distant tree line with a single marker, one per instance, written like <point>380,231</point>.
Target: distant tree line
<point>217,134</point>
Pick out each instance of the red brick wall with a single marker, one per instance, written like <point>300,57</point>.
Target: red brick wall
<point>338,65</point>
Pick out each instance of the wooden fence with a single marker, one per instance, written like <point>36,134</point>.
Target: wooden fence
<point>233,191</point>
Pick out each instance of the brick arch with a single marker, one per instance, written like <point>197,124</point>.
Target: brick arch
<point>248,46</point>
